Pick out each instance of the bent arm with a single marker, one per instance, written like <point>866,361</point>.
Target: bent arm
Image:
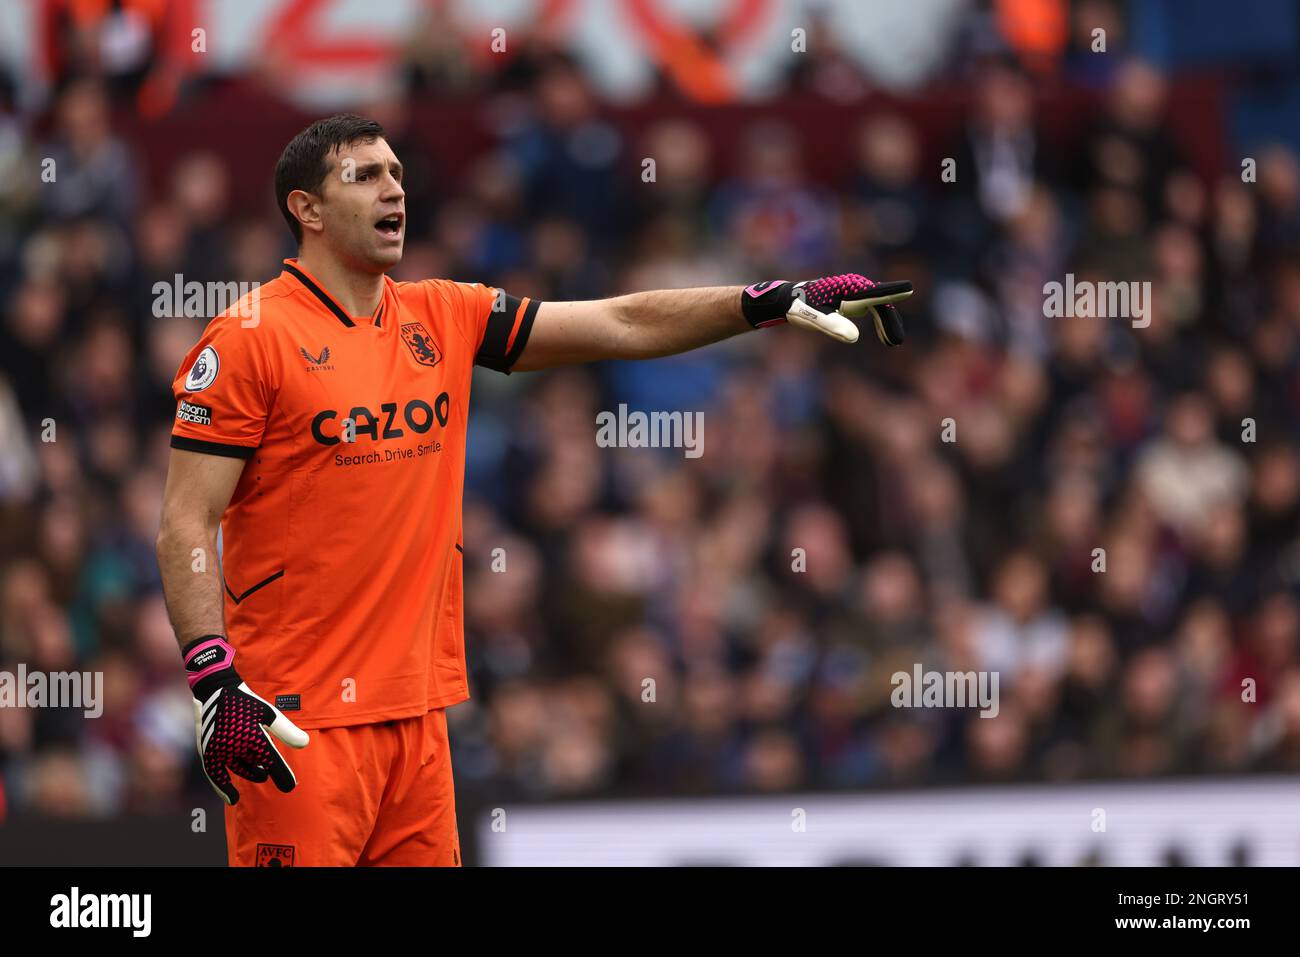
<point>641,325</point>
<point>198,490</point>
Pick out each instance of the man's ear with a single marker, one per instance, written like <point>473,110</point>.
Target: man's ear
<point>306,207</point>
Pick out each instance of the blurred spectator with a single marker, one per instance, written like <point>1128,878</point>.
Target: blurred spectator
<point>1186,473</point>
<point>1000,155</point>
<point>771,212</point>
<point>1129,148</point>
<point>567,155</point>
<point>94,171</point>
<point>823,67</point>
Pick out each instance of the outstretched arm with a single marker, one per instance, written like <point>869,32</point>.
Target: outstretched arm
<point>645,325</point>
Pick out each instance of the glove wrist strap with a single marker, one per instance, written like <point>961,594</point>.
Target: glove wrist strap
<point>209,665</point>
<point>766,303</point>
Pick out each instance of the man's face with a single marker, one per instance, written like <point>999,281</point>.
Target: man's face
<point>363,207</point>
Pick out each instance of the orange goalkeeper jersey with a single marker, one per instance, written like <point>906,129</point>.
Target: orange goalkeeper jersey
<point>342,549</point>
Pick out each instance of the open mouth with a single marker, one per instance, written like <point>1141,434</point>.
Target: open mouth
<point>390,227</point>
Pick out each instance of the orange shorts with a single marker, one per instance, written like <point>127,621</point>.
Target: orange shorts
<point>370,794</point>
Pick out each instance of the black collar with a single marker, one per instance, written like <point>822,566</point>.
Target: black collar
<point>320,294</point>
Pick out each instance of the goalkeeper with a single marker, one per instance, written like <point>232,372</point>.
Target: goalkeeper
<point>322,432</point>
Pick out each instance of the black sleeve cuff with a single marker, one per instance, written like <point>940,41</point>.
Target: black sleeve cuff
<point>212,448</point>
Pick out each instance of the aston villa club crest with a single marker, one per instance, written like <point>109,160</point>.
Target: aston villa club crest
<point>275,855</point>
<point>421,344</point>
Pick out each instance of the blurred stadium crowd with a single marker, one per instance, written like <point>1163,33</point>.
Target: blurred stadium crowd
<point>1072,434</point>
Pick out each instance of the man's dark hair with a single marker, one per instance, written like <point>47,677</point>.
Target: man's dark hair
<point>304,164</point>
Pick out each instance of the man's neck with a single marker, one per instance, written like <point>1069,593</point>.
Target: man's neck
<point>357,292</point>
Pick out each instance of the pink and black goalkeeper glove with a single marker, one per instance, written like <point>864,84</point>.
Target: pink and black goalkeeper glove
<point>231,722</point>
<point>823,304</point>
